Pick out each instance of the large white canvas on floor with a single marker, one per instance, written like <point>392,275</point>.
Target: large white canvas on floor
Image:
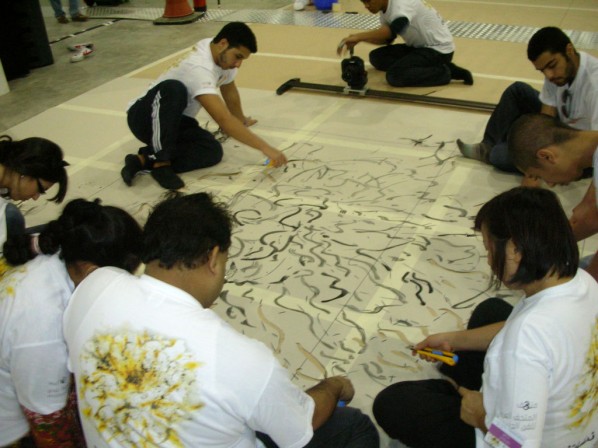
<point>359,247</point>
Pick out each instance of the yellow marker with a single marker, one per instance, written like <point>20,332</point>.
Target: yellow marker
<point>446,357</point>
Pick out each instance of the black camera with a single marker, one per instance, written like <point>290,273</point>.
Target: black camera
<point>353,72</point>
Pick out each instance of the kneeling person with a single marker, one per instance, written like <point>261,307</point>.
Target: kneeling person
<point>164,117</point>
<point>425,57</point>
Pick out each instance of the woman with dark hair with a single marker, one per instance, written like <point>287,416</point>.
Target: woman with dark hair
<point>28,168</point>
<point>34,380</point>
<point>539,383</point>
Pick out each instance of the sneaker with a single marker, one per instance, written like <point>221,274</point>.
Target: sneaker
<point>300,5</point>
<point>167,178</point>
<point>82,54</point>
<point>62,19</point>
<point>131,168</point>
<point>476,151</point>
<point>79,47</point>
<point>79,17</point>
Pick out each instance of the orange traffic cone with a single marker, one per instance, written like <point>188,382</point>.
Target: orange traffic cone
<point>178,12</point>
<point>200,5</point>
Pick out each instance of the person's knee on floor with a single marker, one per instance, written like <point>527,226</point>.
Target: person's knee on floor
<point>400,75</point>
<point>348,427</point>
<point>379,60</point>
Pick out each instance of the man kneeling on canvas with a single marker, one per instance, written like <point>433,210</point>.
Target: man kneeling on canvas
<point>164,117</point>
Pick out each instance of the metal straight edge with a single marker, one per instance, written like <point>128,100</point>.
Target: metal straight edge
<point>296,83</point>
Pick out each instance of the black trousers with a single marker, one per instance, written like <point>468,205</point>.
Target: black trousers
<point>518,99</point>
<point>157,120</point>
<point>347,427</point>
<point>407,66</point>
<point>426,414</point>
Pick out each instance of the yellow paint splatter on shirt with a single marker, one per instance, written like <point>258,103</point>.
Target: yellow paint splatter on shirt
<point>136,387</point>
<point>586,391</point>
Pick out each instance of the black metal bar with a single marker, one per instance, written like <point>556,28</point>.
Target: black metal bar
<point>408,97</point>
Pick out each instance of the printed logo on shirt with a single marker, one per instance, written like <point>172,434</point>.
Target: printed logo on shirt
<point>135,387</point>
<point>526,405</point>
<point>583,442</point>
<point>57,389</point>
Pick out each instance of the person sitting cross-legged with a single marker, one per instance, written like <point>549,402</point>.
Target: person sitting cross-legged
<point>538,382</point>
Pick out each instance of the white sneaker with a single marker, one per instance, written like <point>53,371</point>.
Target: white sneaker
<point>82,54</point>
<point>300,5</point>
<point>79,47</point>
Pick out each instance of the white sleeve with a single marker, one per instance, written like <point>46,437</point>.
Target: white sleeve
<point>548,94</point>
<point>284,411</point>
<point>403,8</point>
<point>202,82</point>
<point>38,361</point>
<point>40,376</point>
<point>520,394</point>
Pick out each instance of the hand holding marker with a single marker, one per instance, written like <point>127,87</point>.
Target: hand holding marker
<point>440,355</point>
<point>268,163</point>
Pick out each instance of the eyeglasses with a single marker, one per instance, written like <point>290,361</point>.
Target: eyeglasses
<point>566,101</point>
<point>40,188</point>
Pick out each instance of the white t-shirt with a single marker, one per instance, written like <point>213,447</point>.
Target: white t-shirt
<point>426,28</point>
<point>539,377</point>
<point>582,100</point>
<point>198,72</point>
<point>33,357</point>
<point>151,364</point>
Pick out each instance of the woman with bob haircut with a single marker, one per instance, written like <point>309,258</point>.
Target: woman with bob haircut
<point>539,385</point>
<point>37,407</point>
<point>28,168</point>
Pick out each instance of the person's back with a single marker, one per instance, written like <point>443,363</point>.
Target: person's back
<point>185,376</point>
<point>549,342</point>
<point>30,333</point>
<point>426,27</point>
<point>35,400</point>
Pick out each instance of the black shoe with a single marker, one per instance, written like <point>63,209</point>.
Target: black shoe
<point>460,74</point>
<point>166,177</point>
<point>131,168</point>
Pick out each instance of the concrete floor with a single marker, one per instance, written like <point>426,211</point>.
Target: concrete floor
<point>121,47</point>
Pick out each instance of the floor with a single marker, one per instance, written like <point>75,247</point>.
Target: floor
<point>362,245</point>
